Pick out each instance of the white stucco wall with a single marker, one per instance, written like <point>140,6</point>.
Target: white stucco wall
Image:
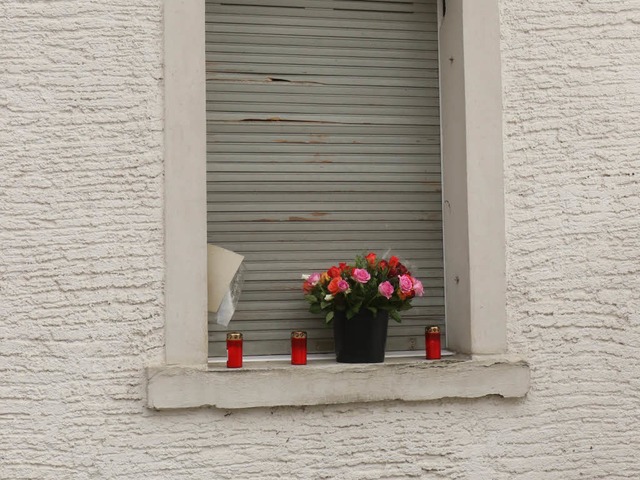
<point>81,268</point>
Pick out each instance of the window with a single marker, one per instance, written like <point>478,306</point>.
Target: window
<point>473,237</point>
<point>323,139</point>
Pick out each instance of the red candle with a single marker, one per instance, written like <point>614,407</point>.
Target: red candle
<point>298,348</point>
<point>234,350</point>
<point>432,342</point>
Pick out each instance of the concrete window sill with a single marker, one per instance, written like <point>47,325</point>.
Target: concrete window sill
<point>323,382</point>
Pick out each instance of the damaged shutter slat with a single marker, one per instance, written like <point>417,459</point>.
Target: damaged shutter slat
<point>321,118</point>
<point>324,13</point>
<point>316,132</point>
<point>331,80</point>
<point>357,5</point>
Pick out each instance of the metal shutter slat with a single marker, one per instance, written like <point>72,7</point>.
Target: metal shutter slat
<point>268,139</point>
<point>328,20</point>
<point>218,38</point>
<point>315,132</point>
<point>389,225</point>
<point>358,5</point>
<point>317,52</point>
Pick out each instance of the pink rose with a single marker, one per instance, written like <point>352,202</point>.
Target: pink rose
<point>385,289</point>
<point>343,285</point>
<point>406,285</point>
<point>418,288</point>
<point>361,275</point>
<point>314,278</point>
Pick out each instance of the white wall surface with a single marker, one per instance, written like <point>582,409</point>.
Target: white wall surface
<point>81,268</point>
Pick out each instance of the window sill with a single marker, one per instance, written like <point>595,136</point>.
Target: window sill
<point>323,382</point>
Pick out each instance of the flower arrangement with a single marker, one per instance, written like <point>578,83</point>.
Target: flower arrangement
<point>370,283</point>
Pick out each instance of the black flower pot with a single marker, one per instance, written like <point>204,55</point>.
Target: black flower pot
<point>361,339</point>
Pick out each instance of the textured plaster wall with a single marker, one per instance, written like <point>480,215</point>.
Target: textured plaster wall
<point>81,268</point>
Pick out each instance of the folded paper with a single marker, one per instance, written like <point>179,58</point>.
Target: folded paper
<point>224,281</point>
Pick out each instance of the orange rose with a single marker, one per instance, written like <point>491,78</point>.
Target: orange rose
<point>333,286</point>
<point>325,278</point>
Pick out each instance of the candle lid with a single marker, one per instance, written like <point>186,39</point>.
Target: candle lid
<point>234,336</point>
<point>298,334</point>
<point>432,330</point>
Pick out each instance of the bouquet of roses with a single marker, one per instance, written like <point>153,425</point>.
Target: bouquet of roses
<point>370,283</point>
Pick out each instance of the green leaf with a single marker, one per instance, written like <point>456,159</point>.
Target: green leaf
<point>405,306</point>
<point>361,262</point>
<point>315,308</point>
<point>324,304</point>
<point>395,315</point>
<point>329,317</point>
<point>373,310</point>
<point>311,298</point>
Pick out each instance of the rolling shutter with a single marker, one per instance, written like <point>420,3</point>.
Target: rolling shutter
<point>323,143</point>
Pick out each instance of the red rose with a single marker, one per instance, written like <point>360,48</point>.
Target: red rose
<point>392,272</point>
<point>371,258</point>
<point>334,272</point>
<point>343,266</point>
<point>307,287</point>
<point>393,261</point>
<point>383,264</point>
<point>402,269</point>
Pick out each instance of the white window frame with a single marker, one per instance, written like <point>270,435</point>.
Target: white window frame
<point>474,239</point>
